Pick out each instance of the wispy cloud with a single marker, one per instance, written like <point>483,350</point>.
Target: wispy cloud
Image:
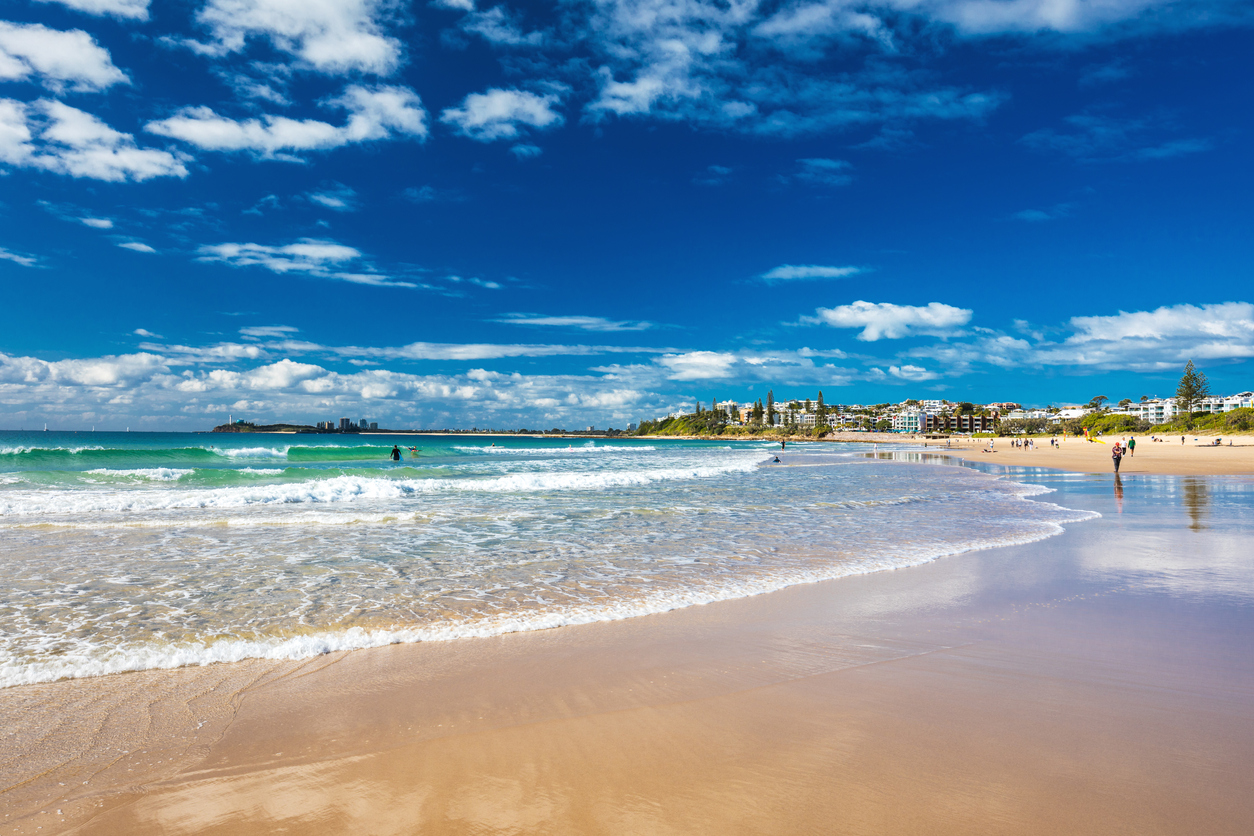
<point>276,331</point>
<point>808,272</point>
<point>336,197</point>
<point>477,282</point>
<point>18,258</point>
<point>823,172</point>
<point>1093,138</point>
<point>309,256</point>
<point>1059,210</point>
<point>136,246</point>
<point>582,323</point>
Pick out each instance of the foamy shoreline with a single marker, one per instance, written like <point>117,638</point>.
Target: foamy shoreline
<point>874,692</point>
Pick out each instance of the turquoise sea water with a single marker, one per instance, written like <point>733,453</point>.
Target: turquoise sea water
<point>126,551</point>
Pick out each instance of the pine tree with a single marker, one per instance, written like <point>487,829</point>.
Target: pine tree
<point>1193,388</point>
<point>820,412</point>
<point>757,411</point>
<point>770,408</point>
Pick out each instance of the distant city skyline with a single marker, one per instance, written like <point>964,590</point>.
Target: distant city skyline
<point>463,213</point>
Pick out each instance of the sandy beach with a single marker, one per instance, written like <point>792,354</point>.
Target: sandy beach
<point>1197,456</point>
<point>1095,682</point>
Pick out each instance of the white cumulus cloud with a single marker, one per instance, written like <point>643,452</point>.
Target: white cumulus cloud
<point>327,36</point>
<point>53,136</point>
<point>124,9</point>
<point>699,365</point>
<point>884,320</point>
<point>502,114</point>
<point>374,113</point>
<point>60,59</point>
<point>914,374</point>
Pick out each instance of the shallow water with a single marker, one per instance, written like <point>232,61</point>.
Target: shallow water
<point>137,551</point>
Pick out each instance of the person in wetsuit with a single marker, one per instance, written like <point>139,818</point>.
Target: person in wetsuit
<point>396,453</point>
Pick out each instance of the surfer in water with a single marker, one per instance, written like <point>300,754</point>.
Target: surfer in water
<point>396,453</point>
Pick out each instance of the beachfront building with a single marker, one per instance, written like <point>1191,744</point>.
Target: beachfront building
<point>1162,410</point>
<point>346,424</point>
<point>1228,403</point>
<point>908,421</point>
<point>965,422</point>
<point>731,411</point>
<point>1155,411</point>
<point>1066,413</point>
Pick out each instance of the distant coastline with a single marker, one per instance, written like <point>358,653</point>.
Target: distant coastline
<point>305,429</point>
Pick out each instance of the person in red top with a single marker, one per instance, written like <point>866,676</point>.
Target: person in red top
<point>1116,455</point>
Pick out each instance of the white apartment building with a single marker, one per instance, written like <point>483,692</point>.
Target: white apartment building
<point>1227,404</point>
<point>1162,410</point>
<point>908,421</point>
<point>1157,411</point>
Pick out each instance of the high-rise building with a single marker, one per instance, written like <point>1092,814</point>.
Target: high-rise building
<point>346,424</point>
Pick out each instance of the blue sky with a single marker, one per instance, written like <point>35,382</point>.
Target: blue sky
<point>464,213</point>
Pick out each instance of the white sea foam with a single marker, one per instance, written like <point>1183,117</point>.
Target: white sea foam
<point>530,539</point>
<point>19,450</point>
<point>251,452</point>
<point>155,474</point>
<point>340,489</point>
<point>96,661</point>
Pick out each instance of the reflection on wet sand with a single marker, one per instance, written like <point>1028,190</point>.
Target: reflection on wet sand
<point>1196,502</point>
<point>1118,493</point>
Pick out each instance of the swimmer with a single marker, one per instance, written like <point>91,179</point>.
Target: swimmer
<point>396,453</point>
<point>777,461</point>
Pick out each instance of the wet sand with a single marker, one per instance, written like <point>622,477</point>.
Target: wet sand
<point>1096,682</point>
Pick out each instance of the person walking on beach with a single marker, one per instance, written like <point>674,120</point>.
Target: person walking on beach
<point>1132,446</point>
<point>1116,455</point>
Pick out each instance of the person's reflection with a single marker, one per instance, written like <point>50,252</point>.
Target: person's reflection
<point>1196,501</point>
<point>1118,493</point>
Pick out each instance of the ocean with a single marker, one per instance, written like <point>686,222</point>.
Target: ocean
<point>134,551</point>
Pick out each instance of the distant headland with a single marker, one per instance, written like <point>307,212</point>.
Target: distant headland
<point>347,428</point>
